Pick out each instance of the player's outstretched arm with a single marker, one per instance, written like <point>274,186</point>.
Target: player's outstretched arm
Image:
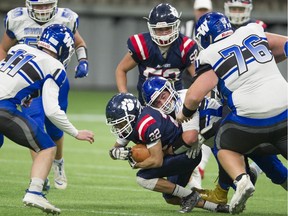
<point>85,135</point>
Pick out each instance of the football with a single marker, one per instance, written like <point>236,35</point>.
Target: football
<point>139,152</point>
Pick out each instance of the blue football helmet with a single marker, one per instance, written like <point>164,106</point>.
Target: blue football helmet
<point>153,87</point>
<point>43,14</point>
<point>212,27</point>
<point>164,16</point>
<point>238,11</point>
<point>60,40</point>
<point>122,112</point>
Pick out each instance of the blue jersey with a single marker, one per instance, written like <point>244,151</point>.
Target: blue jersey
<point>20,26</point>
<point>23,72</point>
<point>153,125</point>
<point>146,53</point>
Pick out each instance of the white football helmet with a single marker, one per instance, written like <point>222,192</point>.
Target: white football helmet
<point>44,14</point>
<point>238,18</point>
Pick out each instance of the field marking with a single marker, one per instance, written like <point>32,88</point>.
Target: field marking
<point>63,210</point>
<point>99,212</point>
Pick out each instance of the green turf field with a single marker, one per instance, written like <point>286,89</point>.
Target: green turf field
<point>97,185</point>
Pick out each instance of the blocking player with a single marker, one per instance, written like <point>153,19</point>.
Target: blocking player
<point>241,85</point>
<point>24,71</point>
<point>239,14</point>
<point>25,25</point>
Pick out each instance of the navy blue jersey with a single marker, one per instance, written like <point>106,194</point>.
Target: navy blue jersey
<point>146,53</point>
<point>153,125</point>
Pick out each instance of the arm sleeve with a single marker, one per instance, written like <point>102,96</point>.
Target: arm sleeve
<point>52,108</point>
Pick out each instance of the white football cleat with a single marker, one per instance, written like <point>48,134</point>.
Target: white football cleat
<point>60,180</point>
<point>244,190</point>
<point>38,200</point>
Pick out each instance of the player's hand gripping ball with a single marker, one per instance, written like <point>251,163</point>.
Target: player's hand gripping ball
<point>139,152</point>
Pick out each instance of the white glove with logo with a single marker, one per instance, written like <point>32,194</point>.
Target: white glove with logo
<point>119,153</point>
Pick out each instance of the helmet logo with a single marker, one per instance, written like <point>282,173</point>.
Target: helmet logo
<point>127,105</point>
<point>68,40</point>
<point>203,29</point>
<point>225,23</point>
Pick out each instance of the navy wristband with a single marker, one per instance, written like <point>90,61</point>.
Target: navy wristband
<point>187,112</point>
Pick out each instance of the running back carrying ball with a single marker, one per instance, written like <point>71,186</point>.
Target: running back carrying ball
<point>139,152</point>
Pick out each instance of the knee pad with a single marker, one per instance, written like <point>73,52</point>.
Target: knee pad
<point>147,183</point>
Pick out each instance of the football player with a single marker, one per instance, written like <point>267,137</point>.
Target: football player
<point>243,65</point>
<point>159,93</point>
<point>163,51</point>
<point>25,25</point>
<point>239,14</point>
<point>170,164</point>
<point>24,71</point>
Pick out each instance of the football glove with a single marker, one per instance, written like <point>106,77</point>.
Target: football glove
<point>132,162</point>
<point>120,153</point>
<point>82,69</point>
<point>194,151</point>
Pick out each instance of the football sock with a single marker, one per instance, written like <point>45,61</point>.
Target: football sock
<point>36,184</point>
<point>180,191</point>
<point>59,161</point>
<point>210,206</point>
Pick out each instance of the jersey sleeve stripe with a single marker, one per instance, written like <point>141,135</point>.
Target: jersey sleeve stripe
<point>59,77</point>
<point>185,47</point>
<point>143,125</point>
<point>140,46</point>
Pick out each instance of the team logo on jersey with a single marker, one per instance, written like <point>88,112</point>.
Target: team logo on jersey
<point>33,31</point>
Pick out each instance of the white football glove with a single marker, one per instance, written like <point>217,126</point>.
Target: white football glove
<point>194,151</point>
<point>119,153</point>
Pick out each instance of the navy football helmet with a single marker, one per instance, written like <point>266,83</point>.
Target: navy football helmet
<point>164,16</point>
<point>212,27</point>
<point>153,87</point>
<point>60,40</point>
<point>43,15</point>
<point>122,112</point>
<point>238,11</point>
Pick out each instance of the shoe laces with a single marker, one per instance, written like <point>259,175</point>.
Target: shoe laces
<point>59,168</point>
